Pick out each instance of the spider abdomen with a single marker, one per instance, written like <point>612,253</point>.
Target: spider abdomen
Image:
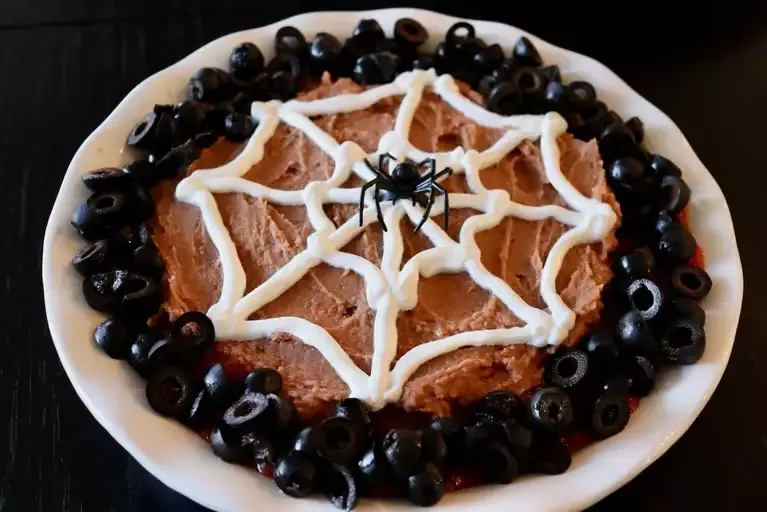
<point>405,174</point>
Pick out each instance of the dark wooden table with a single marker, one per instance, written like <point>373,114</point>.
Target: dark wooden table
<point>65,65</point>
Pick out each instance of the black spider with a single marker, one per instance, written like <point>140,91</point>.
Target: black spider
<point>406,182</point>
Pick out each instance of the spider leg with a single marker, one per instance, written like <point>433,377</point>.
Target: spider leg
<point>362,195</point>
<point>427,210</point>
<point>447,171</point>
<point>382,160</point>
<point>426,184</point>
<point>388,184</point>
<point>432,163</point>
<point>439,187</point>
<point>378,206</point>
<point>425,180</point>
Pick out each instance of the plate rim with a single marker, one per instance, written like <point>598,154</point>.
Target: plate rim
<point>211,501</point>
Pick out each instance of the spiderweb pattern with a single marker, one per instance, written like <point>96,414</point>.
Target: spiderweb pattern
<point>388,289</point>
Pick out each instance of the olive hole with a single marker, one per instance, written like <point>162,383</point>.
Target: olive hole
<point>338,438</point>
<point>567,367</point>
<point>190,329</point>
<point>105,202</point>
<point>527,81</point>
<point>410,28</point>
<point>590,112</point>
<point>690,281</point>
<point>609,414</point>
<point>642,298</point>
<point>680,337</point>
<point>134,285</point>
<point>461,32</point>
<point>170,390</point>
<point>350,311</point>
<point>554,410</point>
<point>244,409</point>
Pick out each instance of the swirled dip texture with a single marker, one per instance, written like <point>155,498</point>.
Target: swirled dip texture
<point>267,236</point>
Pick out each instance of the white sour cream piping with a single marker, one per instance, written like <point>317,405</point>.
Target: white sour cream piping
<point>389,290</point>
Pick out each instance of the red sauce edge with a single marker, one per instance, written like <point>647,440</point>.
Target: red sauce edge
<point>456,479</point>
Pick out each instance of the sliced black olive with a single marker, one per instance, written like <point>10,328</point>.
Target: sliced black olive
<point>226,444</point>
<point>324,52</point>
<point>171,392</point>
<point>676,246</point>
<point>142,296</point>
<point>246,61</point>
<point>338,484</point>
<point>295,475</point>
<point>458,32</point>
<point>525,53</point>
<point>376,68</point>
<point>504,99</point>
<point>664,167</point>
<point>683,342</point>
<point>209,85</point>
<point>95,258</point>
<point>489,58</point>
<point>409,32</point>
<point>356,410</point>
<point>289,40</point>
<point>638,263</point>
<point>568,368</point>
<point>498,464</point>
<point>282,86</point>
<point>433,447</point>
<point>426,487</point>
<point>549,456</point>
<point>113,336</point>
<point>238,127</point>
<point>264,380</point>
<point>551,409</point>
<point>200,411</point>
<point>108,179</point>
<point>147,260</point>
<point>338,440</point>
<point>250,413</point>
<point>691,281</point>
<point>610,414</point>
<point>194,330</point>
<point>551,73</point>
<point>138,355</point>
<point>374,466</point>
<point>646,297</point>
<point>285,62</point>
<point>674,194</point>
<point>635,335</point>
<point>518,437</point>
<point>220,388</point>
<point>189,116</point>
<point>583,92</point>
<point>642,370</point>
<point>402,449</point>
<point>637,128</point>
<point>258,448</point>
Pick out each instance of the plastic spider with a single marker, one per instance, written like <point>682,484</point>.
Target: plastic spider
<point>406,182</point>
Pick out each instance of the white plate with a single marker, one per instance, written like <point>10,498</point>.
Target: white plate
<point>115,395</point>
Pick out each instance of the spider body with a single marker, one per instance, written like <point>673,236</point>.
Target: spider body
<point>406,182</point>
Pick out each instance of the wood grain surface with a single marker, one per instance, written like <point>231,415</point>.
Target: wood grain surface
<point>65,65</point>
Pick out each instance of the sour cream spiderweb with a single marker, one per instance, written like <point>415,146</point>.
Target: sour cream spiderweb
<point>388,289</point>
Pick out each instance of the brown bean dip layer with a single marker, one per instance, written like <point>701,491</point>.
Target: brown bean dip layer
<point>267,236</point>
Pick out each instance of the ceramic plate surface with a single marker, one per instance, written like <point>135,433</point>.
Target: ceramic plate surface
<point>183,461</point>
